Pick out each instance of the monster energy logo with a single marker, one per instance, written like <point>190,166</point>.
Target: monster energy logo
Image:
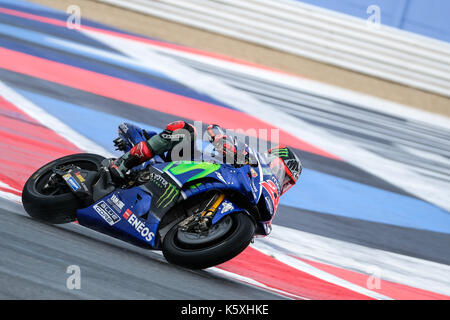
<point>280,152</point>
<point>168,196</point>
<point>159,180</point>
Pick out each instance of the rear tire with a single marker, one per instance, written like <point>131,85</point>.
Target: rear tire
<point>210,254</point>
<point>60,208</point>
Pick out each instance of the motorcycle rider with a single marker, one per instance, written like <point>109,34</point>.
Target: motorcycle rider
<point>282,158</point>
<point>174,133</point>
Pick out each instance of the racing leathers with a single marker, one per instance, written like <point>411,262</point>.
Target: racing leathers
<point>174,133</point>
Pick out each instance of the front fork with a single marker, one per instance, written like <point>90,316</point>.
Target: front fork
<point>202,220</point>
<point>209,212</point>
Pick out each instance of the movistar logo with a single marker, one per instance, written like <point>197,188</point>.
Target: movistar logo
<point>202,169</point>
<point>168,196</point>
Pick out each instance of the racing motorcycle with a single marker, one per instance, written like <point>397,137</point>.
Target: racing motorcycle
<point>199,213</point>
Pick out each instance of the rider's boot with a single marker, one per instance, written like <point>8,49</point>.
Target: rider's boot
<point>140,153</point>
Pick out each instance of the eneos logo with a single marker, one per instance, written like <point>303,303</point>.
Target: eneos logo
<point>139,225</point>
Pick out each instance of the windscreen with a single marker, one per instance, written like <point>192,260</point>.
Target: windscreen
<point>276,166</point>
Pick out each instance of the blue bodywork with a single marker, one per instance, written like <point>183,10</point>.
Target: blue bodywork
<point>134,214</point>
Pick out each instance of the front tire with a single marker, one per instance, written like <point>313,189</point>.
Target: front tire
<point>56,208</point>
<point>199,256</point>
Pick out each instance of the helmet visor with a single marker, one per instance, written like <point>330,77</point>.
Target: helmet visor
<point>280,171</point>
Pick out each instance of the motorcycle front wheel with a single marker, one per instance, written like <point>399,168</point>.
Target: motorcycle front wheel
<point>222,242</point>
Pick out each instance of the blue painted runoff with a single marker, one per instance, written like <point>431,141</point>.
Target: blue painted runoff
<point>426,17</point>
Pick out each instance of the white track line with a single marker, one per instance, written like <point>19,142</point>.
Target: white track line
<point>51,122</point>
<point>10,196</point>
<point>394,267</point>
<point>304,267</point>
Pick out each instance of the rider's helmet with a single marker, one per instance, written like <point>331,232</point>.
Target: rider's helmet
<point>285,165</point>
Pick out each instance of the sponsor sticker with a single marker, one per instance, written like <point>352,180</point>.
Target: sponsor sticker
<point>176,136</point>
<point>117,202</point>
<point>71,182</point>
<point>168,196</point>
<point>227,206</point>
<point>255,190</point>
<point>80,177</point>
<point>277,183</point>
<point>127,214</point>
<point>272,190</point>
<point>253,173</point>
<point>269,204</point>
<point>106,213</point>
<point>138,225</point>
<point>220,177</point>
<point>159,179</point>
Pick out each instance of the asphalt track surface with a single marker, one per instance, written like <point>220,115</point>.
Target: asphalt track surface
<point>35,258</point>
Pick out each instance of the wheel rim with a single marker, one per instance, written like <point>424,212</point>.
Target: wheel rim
<point>195,240</point>
<point>44,186</point>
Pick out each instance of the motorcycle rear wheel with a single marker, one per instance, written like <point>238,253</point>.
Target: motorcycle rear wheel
<point>234,233</point>
<point>60,205</point>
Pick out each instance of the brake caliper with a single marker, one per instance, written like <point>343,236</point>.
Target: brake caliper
<point>201,221</point>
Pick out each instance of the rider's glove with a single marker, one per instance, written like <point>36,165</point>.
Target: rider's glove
<point>120,144</point>
<point>222,143</point>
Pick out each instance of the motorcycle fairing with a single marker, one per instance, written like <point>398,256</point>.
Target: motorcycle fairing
<point>270,196</point>
<point>225,208</point>
<point>133,215</point>
<point>244,180</point>
<point>164,189</point>
<point>119,215</point>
